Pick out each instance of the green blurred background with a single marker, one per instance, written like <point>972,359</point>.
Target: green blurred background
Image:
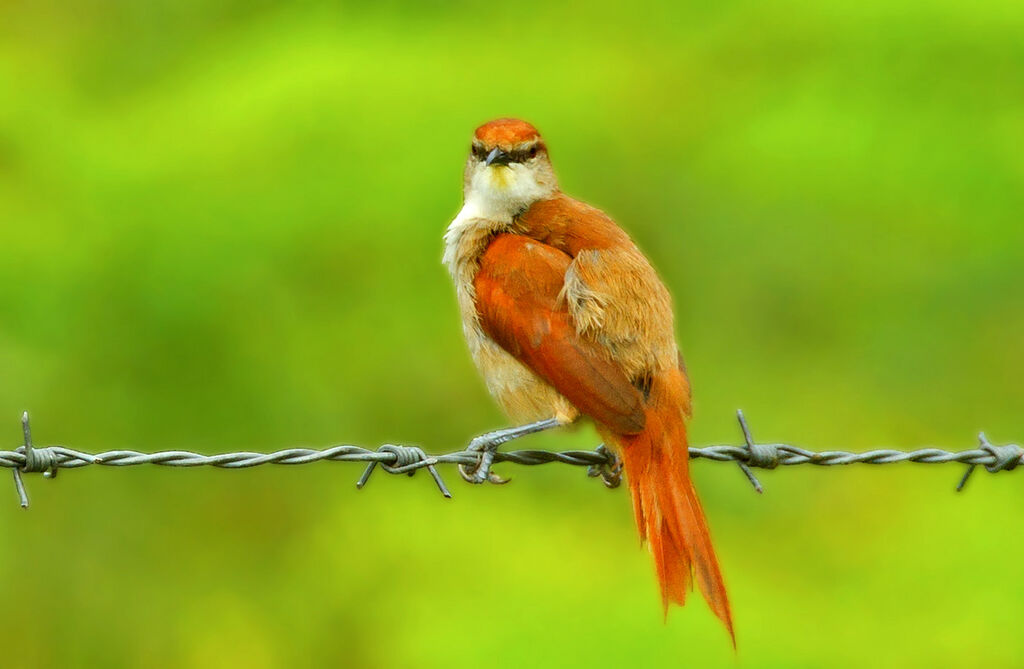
<point>220,229</point>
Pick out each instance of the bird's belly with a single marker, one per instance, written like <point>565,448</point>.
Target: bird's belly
<point>523,395</point>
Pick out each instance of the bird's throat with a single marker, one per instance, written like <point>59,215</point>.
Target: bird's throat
<point>500,178</point>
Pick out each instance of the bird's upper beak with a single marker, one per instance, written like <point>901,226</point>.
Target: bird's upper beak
<point>496,157</point>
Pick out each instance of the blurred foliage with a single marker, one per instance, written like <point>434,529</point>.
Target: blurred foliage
<point>220,228</point>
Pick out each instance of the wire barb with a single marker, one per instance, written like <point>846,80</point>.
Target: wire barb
<point>765,456</point>
<point>35,460</point>
<point>1004,458</point>
<point>407,459</point>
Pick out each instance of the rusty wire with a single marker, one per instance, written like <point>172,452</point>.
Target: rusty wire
<point>407,459</point>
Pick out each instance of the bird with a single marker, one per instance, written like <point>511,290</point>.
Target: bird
<point>565,318</point>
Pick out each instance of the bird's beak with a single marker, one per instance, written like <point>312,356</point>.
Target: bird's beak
<point>496,157</point>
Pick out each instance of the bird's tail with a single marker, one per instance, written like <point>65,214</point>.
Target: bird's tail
<point>668,514</point>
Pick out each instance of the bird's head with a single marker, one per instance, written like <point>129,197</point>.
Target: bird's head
<point>508,167</point>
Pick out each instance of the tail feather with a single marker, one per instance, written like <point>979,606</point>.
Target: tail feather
<point>669,515</point>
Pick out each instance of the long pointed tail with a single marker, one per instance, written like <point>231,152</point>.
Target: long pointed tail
<point>669,515</point>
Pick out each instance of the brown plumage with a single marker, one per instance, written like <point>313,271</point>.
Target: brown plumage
<point>518,291</point>
<point>566,317</point>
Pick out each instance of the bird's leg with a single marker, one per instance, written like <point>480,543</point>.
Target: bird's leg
<point>487,445</point>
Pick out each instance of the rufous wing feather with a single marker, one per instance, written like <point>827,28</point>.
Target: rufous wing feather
<point>517,289</point>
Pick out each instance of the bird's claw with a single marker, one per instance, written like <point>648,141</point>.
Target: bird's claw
<point>610,472</point>
<point>481,472</point>
<point>474,476</point>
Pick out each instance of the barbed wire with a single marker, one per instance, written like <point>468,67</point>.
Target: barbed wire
<point>409,459</point>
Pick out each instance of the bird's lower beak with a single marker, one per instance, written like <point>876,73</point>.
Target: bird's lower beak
<point>496,157</point>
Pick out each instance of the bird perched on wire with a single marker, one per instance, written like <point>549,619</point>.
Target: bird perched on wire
<point>566,318</point>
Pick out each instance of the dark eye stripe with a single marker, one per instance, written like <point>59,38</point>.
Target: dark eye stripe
<point>517,156</point>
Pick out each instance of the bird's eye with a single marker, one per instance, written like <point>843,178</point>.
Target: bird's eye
<point>479,152</point>
<point>533,151</point>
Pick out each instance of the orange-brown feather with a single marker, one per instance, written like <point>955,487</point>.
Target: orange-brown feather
<point>665,504</point>
<point>517,288</point>
<point>572,226</point>
<point>613,294</point>
<point>506,132</point>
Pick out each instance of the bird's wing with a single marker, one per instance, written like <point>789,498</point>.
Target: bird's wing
<point>613,294</point>
<point>518,304</point>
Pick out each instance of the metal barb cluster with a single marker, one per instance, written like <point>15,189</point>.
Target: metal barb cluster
<point>408,459</point>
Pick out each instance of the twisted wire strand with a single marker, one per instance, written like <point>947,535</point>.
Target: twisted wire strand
<point>409,459</point>
<point>66,458</point>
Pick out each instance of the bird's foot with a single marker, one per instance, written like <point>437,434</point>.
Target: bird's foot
<point>481,472</point>
<point>610,472</point>
<point>487,445</point>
